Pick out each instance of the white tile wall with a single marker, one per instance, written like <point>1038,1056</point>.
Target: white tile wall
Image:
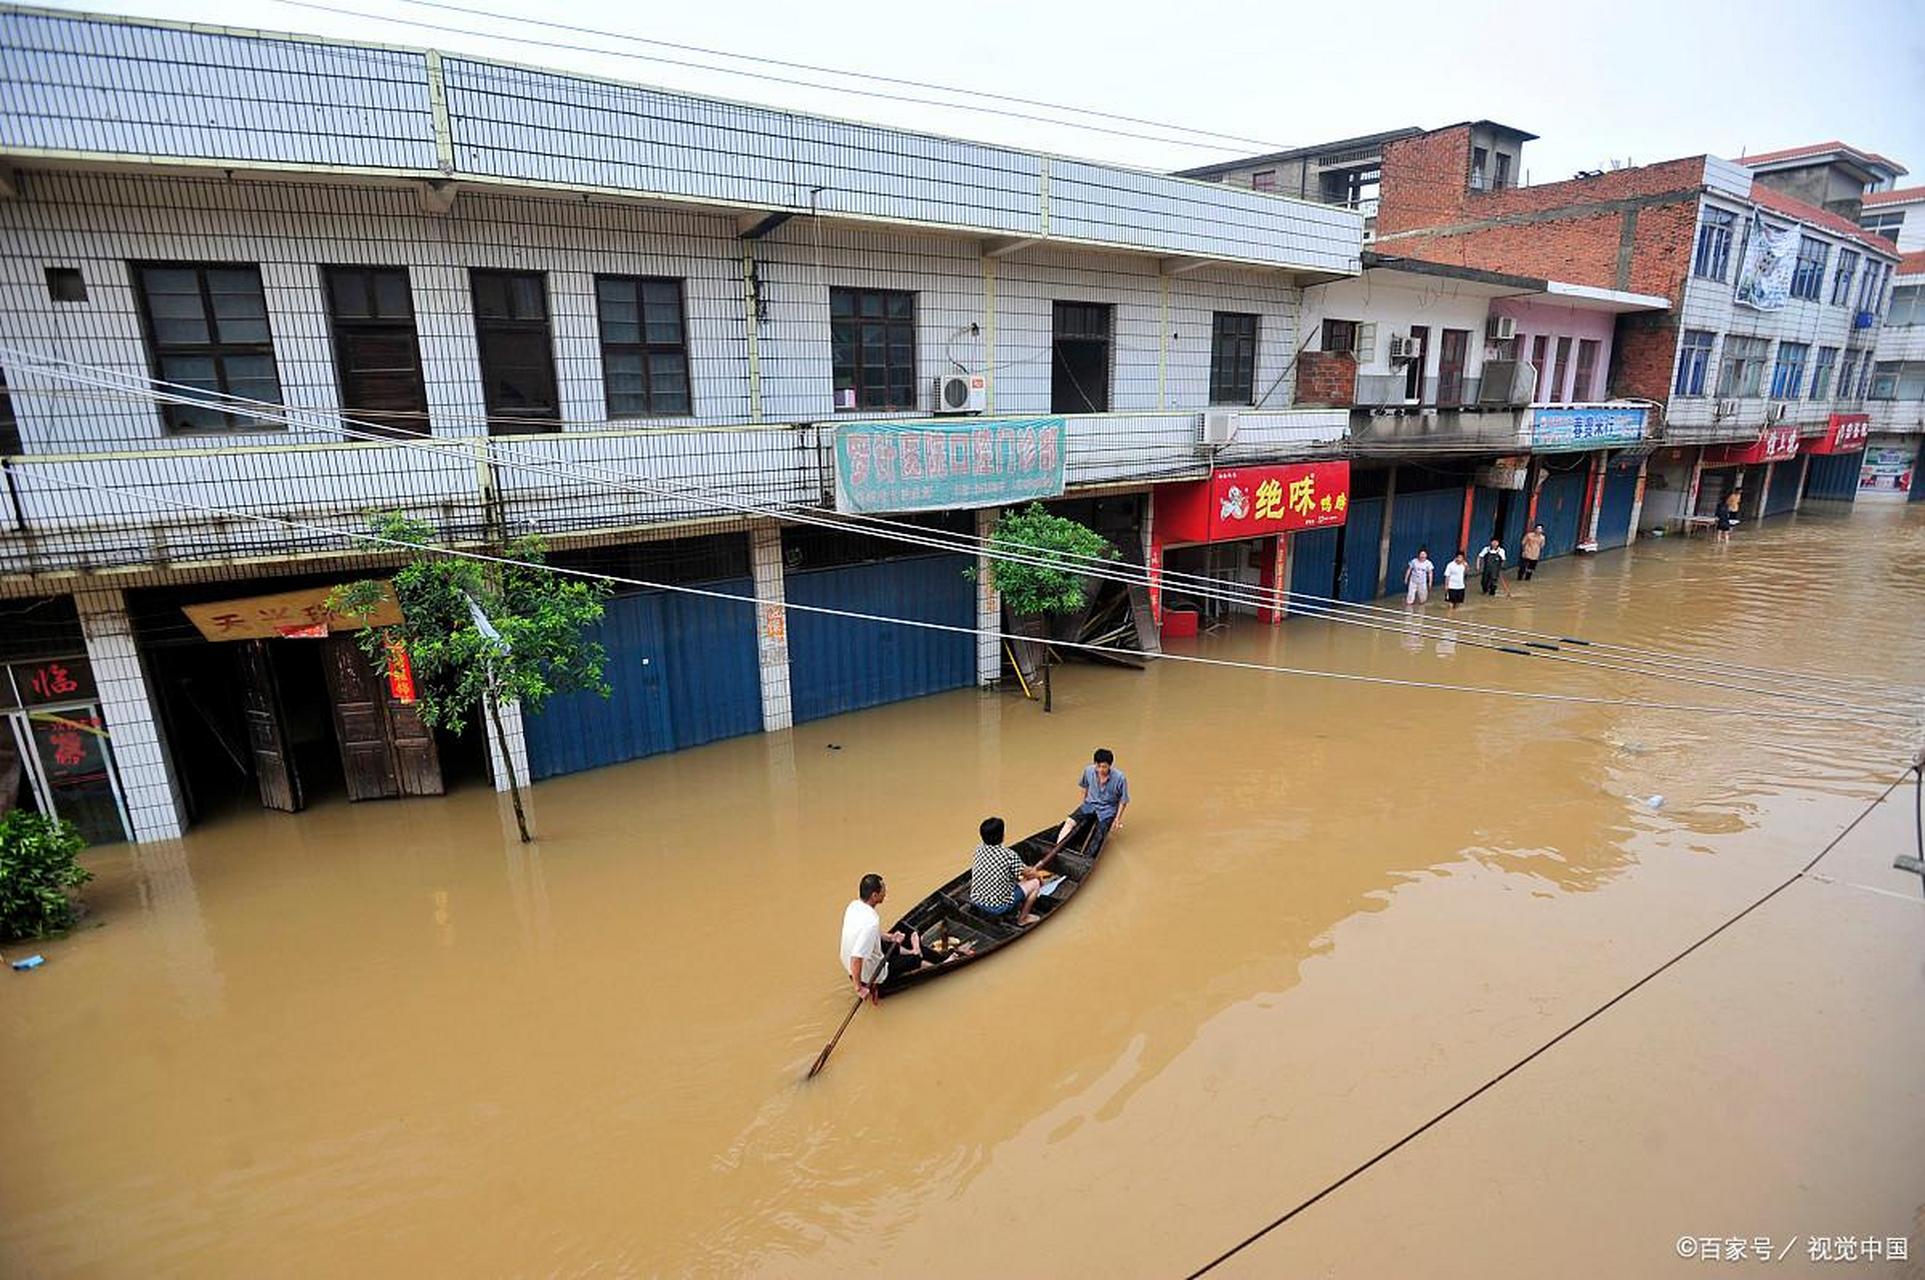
<point>772,626</point>
<point>511,729</point>
<point>989,609</point>
<point>154,806</point>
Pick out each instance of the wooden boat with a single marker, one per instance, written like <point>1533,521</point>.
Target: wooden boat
<point>947,920</point>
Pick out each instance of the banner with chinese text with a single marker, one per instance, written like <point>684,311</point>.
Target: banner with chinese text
<point>1586,427</point>
<point>1845,433</point>
<point>1249,502</point>
<point>937,466</point>
<point>1764,278</point>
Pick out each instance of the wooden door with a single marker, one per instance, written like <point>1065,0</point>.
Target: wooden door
<point>1450,367</point>
<point>274,770</point>
<point>360,721</point>
<point>417,761</point>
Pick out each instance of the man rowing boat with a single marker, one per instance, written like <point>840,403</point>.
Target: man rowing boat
<point>862,939</point>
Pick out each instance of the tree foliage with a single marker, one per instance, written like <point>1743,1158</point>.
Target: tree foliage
<point>541,617</point>
<point>1061,585</point>
<point>37,871</point>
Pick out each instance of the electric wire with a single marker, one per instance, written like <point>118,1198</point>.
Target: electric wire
<point>1542,1049</point>
<point>1245,594</point>
<point>399,544</point>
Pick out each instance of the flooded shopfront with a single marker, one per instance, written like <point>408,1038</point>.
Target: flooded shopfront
<point>389,1039</point>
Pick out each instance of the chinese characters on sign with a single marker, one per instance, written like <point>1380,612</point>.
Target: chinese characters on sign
<point>1249,502</point>
<point>934,466</point>
<point>400,673</point>
<point>47,682</point>
<point>1591,427</point>
<point>291,613</point>
<point>1845,433</point>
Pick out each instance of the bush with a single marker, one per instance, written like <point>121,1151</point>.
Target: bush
<point>37,868</point>
<point>1062,582</point>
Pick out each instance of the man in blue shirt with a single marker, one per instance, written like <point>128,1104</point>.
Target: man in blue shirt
<point>1106,793</point>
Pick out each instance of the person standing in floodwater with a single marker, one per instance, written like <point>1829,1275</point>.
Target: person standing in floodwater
<point>1728,514</point>
<point>1529,552</point>
<point>1417,576</point>
<point>1454,574</point>
<point>1490,567</point>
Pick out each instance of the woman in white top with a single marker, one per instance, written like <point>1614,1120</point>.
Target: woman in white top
<point>1417,577</point>
<point>1454,573</point>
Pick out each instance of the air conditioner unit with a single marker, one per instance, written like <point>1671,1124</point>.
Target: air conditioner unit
<point>1778,412</point>
<point>1404,348</point>
<point>1500,328</point>
<point>1219,428</point>
<point>961,392</point>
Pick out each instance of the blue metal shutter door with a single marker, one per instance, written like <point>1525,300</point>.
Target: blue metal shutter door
<point>843,664</point>
<point>1361,534</point>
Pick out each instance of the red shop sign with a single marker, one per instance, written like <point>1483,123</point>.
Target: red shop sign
<point>1249,502</point>
<point>1846,433</point>
<point>1774,445</point>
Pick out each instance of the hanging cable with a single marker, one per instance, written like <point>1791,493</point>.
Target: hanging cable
<point>354,536</point>
<point>1130,575</point>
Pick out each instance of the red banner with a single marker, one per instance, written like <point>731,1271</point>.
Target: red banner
<point>1846,433</point>
<point>1774,445</point>
<point>400,673</point>
<point>1250,502</point>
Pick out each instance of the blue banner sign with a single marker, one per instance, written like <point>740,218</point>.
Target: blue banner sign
<point>1586,427</point>
<point>936,466</point>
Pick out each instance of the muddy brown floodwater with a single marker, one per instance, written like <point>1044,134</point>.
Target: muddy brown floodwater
<point>386,1039</point>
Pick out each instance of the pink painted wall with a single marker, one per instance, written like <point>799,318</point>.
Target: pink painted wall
<point>1555,319</point>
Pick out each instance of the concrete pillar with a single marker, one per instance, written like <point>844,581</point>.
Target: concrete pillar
<point>130,707</point>
<point>1275,580</point>
<point>989,609</point>
<point>1691,491</point>
<point>1637,501</point>
<point>1804,476</point>
<point>512,730</point>
<point>1594,491</point>
<point>1764,492</point>
<point>1383,539</point>
<point>771,626</point>
<point>1152,558</point>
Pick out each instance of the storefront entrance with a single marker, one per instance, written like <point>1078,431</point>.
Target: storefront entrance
<point>56,755</point>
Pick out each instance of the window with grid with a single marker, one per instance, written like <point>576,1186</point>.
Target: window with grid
<point>1908,305</point>
<point>1821,373</point>
<point>1264,180</point>
<point>1841,277</point>
<point>1886,223</point>
<point>1885,380</point>
<point>377,354</point>
<point>207,331</point>
<point>1582,381</point>
<point>1080,357</point>
<point>1233,358</point>
<point>1340,335</point>
<point>517,351</point>
<point>1713,255</point>
<point>872,342</point>
<point>644,346</point>
<point>1743,371</point>
<point>1789,373</point>
<point>1847,374</point>
<point>1871,290</point>
<point>1694,360</point>
<point>1808,276</point>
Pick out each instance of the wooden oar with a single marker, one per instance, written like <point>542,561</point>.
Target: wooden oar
<point>822,1059</point>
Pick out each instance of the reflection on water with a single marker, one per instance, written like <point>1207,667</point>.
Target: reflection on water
<point>392,1033</point>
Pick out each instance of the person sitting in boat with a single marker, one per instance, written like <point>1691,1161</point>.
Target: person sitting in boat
<point>1106,793</point>
<point>999,880</point>
<point>862,939</point>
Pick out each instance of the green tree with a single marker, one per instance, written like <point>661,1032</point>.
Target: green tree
<point>480,635</point>
<point>1060,585</point>
<point>37,869</point>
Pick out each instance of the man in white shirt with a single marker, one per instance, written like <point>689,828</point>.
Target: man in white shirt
<point>1417,577</point>
<point>862,938</point>
<point>1454,580</point>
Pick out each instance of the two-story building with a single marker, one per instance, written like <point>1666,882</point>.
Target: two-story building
<point>258,286</point>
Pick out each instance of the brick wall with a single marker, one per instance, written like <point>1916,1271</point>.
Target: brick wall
<point>1426,179</point>
<point>1642,361</point>
<point>1326,379</point>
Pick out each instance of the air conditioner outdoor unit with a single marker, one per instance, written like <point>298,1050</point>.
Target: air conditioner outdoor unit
<point>1500,328</point>
<point>961,392</point>
<point>1404,348</point>
<point>1219,428</point>
<point>1778,412</point>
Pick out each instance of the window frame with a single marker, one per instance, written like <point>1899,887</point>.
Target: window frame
<point>1886,224</point>
<point>500,423</point>
<point>1808,274</point>
<point>11,445</point>
<point>1107,341</point>
<point>1913,306</point>
<point>337,324</point>
<point>1751,367</point>
<point>644,348</point>
<point>1584,370</point>
<point>1236,385</point>
<point>1884,384</point>
<point>1822,366</point>
<point>1843,275</point>
<point>1263,180</point>
<point>218,351</point>
<point>1714,238</point>
<point>1871,287</point>
<point>887,321</point>
<point>1788,370</point>
<point>1324,336</point>
<point>1693,373</point>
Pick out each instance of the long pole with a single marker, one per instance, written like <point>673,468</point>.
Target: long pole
<point>822,1059</point>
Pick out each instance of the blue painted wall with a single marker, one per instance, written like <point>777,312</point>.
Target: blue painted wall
<point>681,671</point>
<point>1614,514</point>
<point>1781,495</point>
<point>1363,531</point>
<point>1560,509</point>
<point>842,664</point>
<point>1834,476</point>
<point>1313,564</point>
<point>1431,519</point>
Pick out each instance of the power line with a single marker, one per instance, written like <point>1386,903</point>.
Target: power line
<point>918,535</point>
<point>343,11</point>
<point>889,620</point>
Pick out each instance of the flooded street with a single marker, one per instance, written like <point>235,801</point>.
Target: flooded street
<point>387,1039</point>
